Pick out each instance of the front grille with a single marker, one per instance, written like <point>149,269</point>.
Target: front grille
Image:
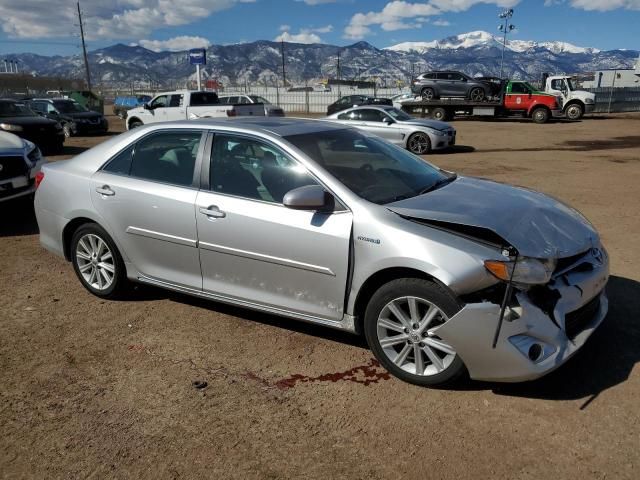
<point>13,166</point>
<point>576,321</point>
<point>563,263</point>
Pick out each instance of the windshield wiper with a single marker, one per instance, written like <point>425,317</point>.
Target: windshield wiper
<point>438,184</point>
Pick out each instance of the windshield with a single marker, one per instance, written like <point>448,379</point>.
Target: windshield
<point>571,85</point>
<point>398,114</point>
<point>69,107</point>
<point>371,168</point>
<point>259,99</point>
<point>11,109</point>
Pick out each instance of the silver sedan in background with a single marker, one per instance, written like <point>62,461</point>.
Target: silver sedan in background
<point>418,135</point>
<point>322,223</point>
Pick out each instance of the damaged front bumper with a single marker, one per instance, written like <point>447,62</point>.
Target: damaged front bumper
<point>532,342</point>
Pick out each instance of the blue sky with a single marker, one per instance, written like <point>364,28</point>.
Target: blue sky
<point>47,27</point>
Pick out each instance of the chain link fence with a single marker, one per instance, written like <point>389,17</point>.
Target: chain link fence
<point>616,100</point>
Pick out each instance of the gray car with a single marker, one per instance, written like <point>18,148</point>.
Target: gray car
<point>433,85</point>
<point>443,274</point>
<point>418,135</point>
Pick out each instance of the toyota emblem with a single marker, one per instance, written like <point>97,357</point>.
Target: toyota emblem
<point>597,255</point>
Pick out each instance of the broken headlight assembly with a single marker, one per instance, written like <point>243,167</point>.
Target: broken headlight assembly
<point>524,270</point>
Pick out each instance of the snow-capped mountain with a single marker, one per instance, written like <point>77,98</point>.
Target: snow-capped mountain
<point>484,39</point>
<point>476,53</point>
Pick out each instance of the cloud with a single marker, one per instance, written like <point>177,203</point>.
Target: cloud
<point>441,23</point>
<point>400,15</point>
<point>317,2</point>
<point>603,5</point>
<point>118,19</point>
<point>305,35</point>
<point>175,44</point>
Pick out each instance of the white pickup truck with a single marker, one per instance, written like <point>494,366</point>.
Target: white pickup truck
<point>187,105</point>
<point>575,103</point>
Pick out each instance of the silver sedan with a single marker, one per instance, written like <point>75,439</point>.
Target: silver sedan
<point>419,136</point>
<point>443,274</point>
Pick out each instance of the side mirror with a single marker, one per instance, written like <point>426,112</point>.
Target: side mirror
<point>147,106</point>
<point>387,120</point>
<point>309,197</point>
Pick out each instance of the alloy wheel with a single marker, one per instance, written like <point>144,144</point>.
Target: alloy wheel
<point>95,262</point>
<point>407,333</point>
<point>419,143</point>
<point>477,95</point>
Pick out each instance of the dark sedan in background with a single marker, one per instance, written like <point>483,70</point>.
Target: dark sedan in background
<point>355,101</point>
<point>17,118</point>
<point>75,118</point>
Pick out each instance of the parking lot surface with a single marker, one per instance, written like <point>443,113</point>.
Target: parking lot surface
<point>104,389</point>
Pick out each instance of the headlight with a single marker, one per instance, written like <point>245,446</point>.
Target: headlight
<point>10,127</point>
<point>530,271</point>
<point>438,132</point>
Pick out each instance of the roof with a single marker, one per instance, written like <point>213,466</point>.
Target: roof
<point>273,125</point>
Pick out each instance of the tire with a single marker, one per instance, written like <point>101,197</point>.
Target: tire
<point>94,271</point>
<point>66,129</point>
<point>428,94</point>
<point>419,143</point>
<point>540,115</point>
<point>382,326</point>
<point>135,124</point>
<point>574,111</point>
<point>476,94</point>
<point>439,113</point>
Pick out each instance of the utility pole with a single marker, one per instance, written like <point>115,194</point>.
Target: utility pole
<point>84,49</point>
<point>338,72</point>
<point>284,77</point>
<point>506,28</point>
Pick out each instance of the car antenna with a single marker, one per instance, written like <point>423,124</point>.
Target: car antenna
<point>507,294</point>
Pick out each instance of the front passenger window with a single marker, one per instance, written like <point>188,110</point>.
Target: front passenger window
<point>167,157</point>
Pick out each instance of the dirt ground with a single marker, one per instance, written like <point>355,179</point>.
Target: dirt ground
<point>104,389</point>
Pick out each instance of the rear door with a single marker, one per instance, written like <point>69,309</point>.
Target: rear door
<point>147,194</point>
<point>255,250</point>
<point>517,96</point>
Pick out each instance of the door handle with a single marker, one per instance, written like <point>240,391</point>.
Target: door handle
<point>105,190</point>
<point>212,211</point>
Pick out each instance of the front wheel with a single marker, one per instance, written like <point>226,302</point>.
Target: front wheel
<point>135,124</point>
<point>540,115</point>
<point>574,111</point>
<point>401,327</point>
<point>66,129</point>
<point>419,143</point>
<point>476,94</point>
<point>97,262</point>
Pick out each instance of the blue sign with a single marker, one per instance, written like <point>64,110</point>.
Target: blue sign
<point>198,56</point>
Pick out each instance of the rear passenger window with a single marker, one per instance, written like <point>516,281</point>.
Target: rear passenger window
<point>204,98</point>
<point>121,163</point>
<point>167,157</point>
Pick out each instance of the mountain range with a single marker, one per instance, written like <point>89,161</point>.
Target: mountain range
<point>260,62</point>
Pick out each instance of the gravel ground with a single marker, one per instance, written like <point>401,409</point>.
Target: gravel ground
<point>104,389</point>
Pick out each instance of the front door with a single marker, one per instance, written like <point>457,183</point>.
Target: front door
<point>373,121</point>
<point>158,110</point>
<point>147,194</point>
<point>255,250</point>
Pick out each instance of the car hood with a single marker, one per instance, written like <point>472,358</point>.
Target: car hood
<point>435,124</point>
<point>9,141</point>
<point>35,120</point>
<point>535,224</point>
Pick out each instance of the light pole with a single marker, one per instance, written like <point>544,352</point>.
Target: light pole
<point>505,28</point>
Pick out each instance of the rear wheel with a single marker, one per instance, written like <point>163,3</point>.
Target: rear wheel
<point>476,94</point>
<point>97,262</point>
<point>401,327</point>
<point>439,113</point>
<point>574,111</point>
<point>428,94</point>
<point>419,143</point>
<point>540,115</point>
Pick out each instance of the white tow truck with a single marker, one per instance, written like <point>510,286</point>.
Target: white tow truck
<point>575,103</point>
<point>188,105</point>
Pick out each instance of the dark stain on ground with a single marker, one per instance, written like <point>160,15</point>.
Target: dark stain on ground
<point>363,374</point>
<point>632,141</point>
